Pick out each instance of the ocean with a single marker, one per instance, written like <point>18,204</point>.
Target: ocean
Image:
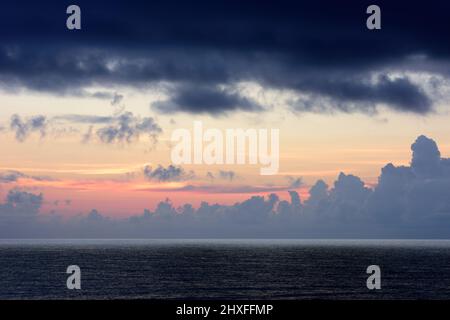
<point>224,269</point>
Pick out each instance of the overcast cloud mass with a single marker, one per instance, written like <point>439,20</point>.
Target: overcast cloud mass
<point>321,51</point>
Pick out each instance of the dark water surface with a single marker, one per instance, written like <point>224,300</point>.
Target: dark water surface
<point>230,269</point>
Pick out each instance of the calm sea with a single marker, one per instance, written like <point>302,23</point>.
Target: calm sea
<point>224,269</point>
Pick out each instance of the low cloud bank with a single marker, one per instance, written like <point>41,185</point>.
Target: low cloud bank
<point>408,202</point>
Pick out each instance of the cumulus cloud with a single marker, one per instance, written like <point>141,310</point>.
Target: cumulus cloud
<point>171,173</point>
<point>426,158</point>
<point>408,202</point>
<point>94,216</point>
<point>317,194</point>
<point>24,200</point>
<point>24,127</point>
<point>20,208</point>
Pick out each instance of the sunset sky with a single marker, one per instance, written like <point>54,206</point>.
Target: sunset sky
<point>344,98</point>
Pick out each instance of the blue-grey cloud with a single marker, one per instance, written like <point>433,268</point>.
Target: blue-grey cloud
<point>19,209</point>
<point>14,175</point>
<point>127,128</point>
<point>122,128</point>
<point>171,173</point>
<point>227,174</point>
<point>86,119</point>
<point>23,128</point>
<point>426,158</point>
<point>10,176</point>
<point>117,99</point>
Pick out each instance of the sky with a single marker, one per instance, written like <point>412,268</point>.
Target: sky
<point>87,115</point>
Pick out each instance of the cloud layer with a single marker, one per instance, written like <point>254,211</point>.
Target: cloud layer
<point>408,202</point>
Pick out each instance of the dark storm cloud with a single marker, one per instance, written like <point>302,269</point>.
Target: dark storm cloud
<point>206,100</point>
<point>321,49</point>
<point>356,94</point>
